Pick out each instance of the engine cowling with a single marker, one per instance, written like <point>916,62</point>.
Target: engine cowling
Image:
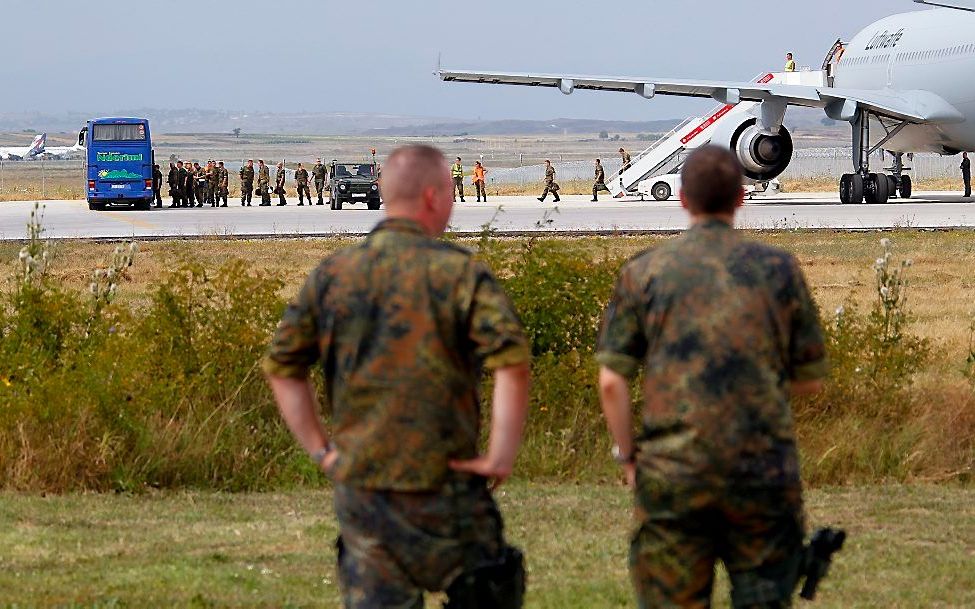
<point>762,156</point>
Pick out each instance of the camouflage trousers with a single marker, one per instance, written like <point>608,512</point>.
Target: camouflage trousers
<point>757,531</point>
<point>303,193</point>
<point>393,546</point>
<point>458,187</point>
<point>319,189</point>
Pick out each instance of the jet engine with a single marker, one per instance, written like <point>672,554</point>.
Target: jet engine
<point>762,156</point>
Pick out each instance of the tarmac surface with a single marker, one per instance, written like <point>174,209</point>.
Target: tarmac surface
<point>506,215</point>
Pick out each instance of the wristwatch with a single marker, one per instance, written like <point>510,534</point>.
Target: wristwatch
<point>623,459</point>
<point>319,455</point>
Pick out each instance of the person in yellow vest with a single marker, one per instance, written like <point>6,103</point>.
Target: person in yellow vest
<point>790,64</point>
<point>457,173</point>
<point>479,181</point>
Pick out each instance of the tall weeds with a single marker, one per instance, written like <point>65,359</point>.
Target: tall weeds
<point>96,394</point>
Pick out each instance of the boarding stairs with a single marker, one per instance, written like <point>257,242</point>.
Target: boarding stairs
<point>667,154</point>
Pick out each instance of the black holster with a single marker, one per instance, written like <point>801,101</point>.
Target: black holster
<point>498,584</point>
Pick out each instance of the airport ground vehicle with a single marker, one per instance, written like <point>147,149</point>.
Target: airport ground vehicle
<point>354,183</point>
<point>667,186</point>
<point>118,162</point>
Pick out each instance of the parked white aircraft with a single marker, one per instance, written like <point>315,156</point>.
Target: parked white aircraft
<point>62,152</point>
<point>905,77</point>
<point>25,152</point>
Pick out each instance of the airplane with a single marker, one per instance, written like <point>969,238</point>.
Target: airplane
<point>61,152</point>
<point>26,152</point>
<point>904,77</point>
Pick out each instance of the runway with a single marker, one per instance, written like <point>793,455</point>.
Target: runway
<point>506,215</point>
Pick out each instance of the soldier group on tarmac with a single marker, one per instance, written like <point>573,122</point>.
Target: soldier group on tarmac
<point>191,185</point>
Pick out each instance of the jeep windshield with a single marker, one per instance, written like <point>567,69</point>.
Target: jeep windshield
<point>352,171</point>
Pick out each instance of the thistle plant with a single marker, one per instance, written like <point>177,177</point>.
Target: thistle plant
<point>35,255</point>
<point>891,285</point>
<point>104,281</point>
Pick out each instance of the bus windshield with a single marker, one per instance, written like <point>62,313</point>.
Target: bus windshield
<point>119,133</point>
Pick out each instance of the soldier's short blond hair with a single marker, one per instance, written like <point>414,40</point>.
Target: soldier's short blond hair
<point>411,169</point>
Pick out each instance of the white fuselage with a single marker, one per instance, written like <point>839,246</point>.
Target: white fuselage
<point>931,50</point>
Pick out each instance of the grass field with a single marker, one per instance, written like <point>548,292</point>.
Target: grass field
<point>910,547</point>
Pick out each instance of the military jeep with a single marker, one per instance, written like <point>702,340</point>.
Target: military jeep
<point>354,183</point>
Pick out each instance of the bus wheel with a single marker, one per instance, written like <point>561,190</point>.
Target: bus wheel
<point>143,205</point>
<point>95,206</point>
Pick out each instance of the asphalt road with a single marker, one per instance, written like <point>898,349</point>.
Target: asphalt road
<point>72,219</point>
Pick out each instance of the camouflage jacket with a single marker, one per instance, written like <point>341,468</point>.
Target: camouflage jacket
<point>223,178</point>
<point>319,172</point>
<point>720,326</point>
<point>213,176</point>
<point>600,175</point>
<point>279,176</point>
<point>264,176</point>
<point>626,158</point>
<point>402,325</point>
<point>247,175</point>
<point>301,176</point>
<point>550,175</point>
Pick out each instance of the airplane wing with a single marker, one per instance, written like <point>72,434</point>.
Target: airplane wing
<point>921,107</point>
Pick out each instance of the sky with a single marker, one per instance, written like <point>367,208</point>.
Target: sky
<point>378,56</point>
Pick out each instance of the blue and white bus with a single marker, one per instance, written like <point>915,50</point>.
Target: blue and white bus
<point>119,162</point>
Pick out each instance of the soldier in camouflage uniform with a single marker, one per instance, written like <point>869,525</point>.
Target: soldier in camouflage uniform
<point>725,331</point>
<point>279,178</point>
<point>600,181</point>
<point>319,173</point>
<point>625,156</point>
<point>402,325</point>
<point>247,182</point>
<point>301,180</point>
<point>550,185</point>
<point>264,182</point>
<point>213,181</point>
<point>223,184</point>
<point>200,188</point>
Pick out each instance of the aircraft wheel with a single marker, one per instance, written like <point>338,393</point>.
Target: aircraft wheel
<point>846,184</point>
<point>661,191</point>
<point>876,190</point>
<point>892,186</point>
<point>905,187</point>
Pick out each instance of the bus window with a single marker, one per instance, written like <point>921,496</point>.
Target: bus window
<point>119,133</point>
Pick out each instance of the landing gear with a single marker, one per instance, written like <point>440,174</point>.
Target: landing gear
<point>875,188</point>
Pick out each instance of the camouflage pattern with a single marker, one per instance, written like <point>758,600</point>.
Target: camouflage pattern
<point>247,175</point>
<point>599,182</point>
<point>301,180</point>
<point>223,180</point>
<point>403,324</point>
<point>626,161</point>
<point>720,326</point>
<point>246,184</point>
<point>279,176</point>
<point>213,179</point>
<point>264,184</point>
<point>319,173</point>
<point>550,185</point>
<point>394,546</point>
